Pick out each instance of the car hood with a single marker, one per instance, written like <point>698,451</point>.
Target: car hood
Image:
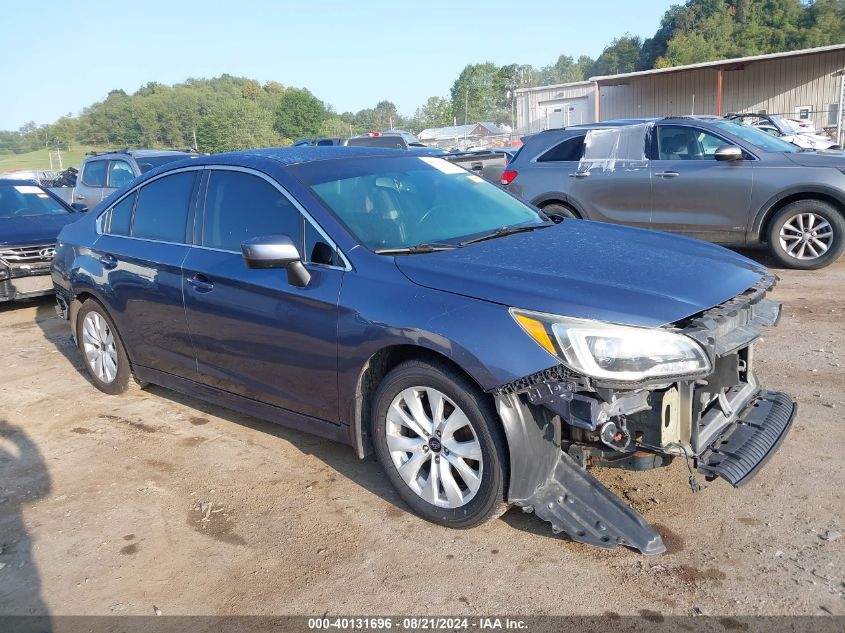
<point>590,270</point>
<point>33,229</point>
<point>820,158</point>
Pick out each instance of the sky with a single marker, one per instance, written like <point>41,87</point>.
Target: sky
<point>59,57</point>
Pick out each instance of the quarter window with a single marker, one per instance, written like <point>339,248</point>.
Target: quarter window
<point>120,173</point>
<point>241,206</point>
<point>161,212</point>
<point>572,149</point>
<point>94,174</point>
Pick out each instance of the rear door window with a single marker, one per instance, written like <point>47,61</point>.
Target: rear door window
<point>572,149</point>
<point>163,207</point>
<point>241,206</point>
<point>94,173</point>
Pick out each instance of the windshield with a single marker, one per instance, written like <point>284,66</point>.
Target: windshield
<point>390,203</point>
<point>146,163</point>
<point>756,136</point>
<point>26,200</point>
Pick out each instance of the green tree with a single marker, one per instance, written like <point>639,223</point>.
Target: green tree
<point>622,55</point>
<point>236,125</point>
<point>435,112</point>
<point>480,94</point>
<point>299,114</point>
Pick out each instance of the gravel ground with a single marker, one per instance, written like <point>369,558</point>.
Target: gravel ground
<point>153,500</point>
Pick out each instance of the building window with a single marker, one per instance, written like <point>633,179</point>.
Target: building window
<point>833,114</point>
<point>763,111</point>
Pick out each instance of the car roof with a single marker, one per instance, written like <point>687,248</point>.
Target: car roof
<point>19,181</point>
<point>300,154</point>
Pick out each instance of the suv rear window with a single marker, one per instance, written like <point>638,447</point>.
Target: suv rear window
<point>572,149</point>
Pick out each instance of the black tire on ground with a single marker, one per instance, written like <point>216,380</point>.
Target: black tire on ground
<point>123,379</point>
<point>559,211</point>
<point>820,210</point>
<point>489,500</point>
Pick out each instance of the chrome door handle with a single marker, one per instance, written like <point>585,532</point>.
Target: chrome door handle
<point>667,174</point>
<point>201,283</point>
<point>80,197</point>
<point>579,174</point>
<point>108,261</point>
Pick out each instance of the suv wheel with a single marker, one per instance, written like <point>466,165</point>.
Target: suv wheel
<point>558,212</point>
<point>807,234</point>
<point>102,349</point>
<point>439,443</point>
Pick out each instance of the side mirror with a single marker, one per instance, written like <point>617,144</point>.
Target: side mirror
<point>728,152</point>
<point>276,251</point>
<point>81,207</point>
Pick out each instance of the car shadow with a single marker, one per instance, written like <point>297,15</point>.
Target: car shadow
<point>24,479</point>
<point>761,256</point>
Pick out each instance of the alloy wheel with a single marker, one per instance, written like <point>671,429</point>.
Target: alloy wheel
<point>806,236</point>
<point>99,347</point>
<point>434,447</point>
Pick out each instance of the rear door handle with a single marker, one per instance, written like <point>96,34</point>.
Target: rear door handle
<point>667,174</point>
<point>579,174</point>
<point>108,261</point>
<point>201,283</point>
<point>78,197</point>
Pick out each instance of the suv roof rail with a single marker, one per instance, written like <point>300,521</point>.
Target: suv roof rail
<point>125,150</point>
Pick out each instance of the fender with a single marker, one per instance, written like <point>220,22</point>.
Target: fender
<point>755,230</point>
<point>557,196</point>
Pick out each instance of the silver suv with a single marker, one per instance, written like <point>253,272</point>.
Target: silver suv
<point>101,174</point>
<point>705,177</point>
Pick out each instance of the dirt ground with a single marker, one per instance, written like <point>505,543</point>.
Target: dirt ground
<point>123,505</point>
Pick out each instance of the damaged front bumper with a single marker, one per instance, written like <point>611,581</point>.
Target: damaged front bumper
<point>724,423</point>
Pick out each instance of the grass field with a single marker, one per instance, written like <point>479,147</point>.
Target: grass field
<point>40,159</point>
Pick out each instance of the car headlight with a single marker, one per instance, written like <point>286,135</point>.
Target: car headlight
<point>614,352</point>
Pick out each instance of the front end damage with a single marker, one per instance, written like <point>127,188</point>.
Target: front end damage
<point>723,423</point>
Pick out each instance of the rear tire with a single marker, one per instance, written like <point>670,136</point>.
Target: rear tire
<point>102,350</point>
<point>559,212</point>
<point>439,442</point>
<point>807,234</point>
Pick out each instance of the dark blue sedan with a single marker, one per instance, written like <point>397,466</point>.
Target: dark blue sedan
<point>403,305</point>
<point>30,219</point>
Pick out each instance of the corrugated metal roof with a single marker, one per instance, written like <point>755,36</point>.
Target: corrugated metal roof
<point>452,131</point>
<point>717,63</point>
<point>571,84</point>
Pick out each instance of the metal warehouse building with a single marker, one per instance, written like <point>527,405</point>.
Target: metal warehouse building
<point>804,84</point>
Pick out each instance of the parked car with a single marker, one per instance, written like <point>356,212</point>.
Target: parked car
<point>691,176</point>
<point>102,173</point>
<point>785,130</point>
<point>487,163</point>
<point>399,304</point>
<point>30,219</point>
<point>389,140</point>
<point>318,141</point>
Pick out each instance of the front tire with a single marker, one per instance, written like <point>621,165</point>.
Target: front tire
<point>807,234</point>
<point>440,445</point>
<point>102,349</point>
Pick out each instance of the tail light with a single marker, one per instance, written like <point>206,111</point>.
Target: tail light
<point>507,176</point>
